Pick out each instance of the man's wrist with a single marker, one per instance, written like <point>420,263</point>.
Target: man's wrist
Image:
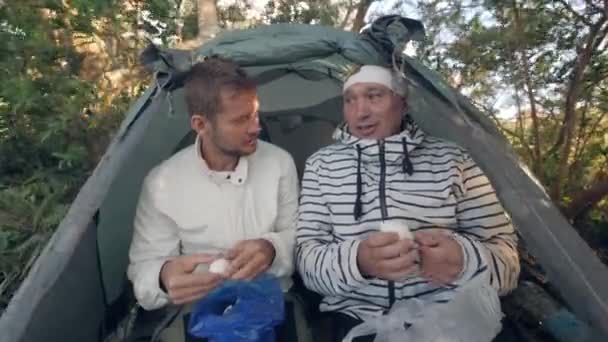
<point>161,284</point>
<point>462,256</point>
<point>362,270</point>
<point>270,246</point>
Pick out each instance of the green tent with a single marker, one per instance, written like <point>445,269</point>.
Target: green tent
<point>77,288</point>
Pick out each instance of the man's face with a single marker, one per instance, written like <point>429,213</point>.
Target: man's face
<point>235,128</point>
<point>372,110</point>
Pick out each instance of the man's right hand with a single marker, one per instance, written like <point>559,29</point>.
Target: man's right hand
<point>384,256</point>
<point>182,284</point>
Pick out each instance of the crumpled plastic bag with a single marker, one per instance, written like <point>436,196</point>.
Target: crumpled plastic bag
<point>472,315</point>
<point>240,311</point>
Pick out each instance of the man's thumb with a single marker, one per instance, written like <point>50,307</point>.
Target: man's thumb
<point>190,262</point>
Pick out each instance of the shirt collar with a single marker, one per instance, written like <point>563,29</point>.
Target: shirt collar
<point>236,177</point>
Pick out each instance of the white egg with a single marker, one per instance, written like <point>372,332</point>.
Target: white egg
<point>399,227</point>
<point>201,268</point>
<point>219,266</point>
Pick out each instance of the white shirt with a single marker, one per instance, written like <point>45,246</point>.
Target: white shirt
<point>186,208</point>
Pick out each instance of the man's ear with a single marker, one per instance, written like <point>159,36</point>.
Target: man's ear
<point>199,123</point>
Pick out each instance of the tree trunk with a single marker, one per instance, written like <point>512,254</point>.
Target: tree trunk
<point>349,11</point>
<point>208,24</point>
<point>534,115</point>
<point>360,17</point>
<point>529,90</point>
<point>587,199</point>
<point>179,20</point>
<point>596,33</point>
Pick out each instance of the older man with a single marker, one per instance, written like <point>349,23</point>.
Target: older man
<point>383,167</point>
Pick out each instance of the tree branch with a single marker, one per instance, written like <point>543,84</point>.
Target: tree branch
<point>208,24</point>
<point>578,148</point>
<point>586,199</point>
<point>511,133</point>
<point>596,35</point>
<point>579,16</point>
<point>360,17</point>
<point>593,130</point>
<point>601,35</point>
<point>572,94</point>
<point>574,86</point>
<point>349,11</point>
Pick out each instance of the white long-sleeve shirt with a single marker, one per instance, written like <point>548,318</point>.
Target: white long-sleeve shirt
<point>186,208</point>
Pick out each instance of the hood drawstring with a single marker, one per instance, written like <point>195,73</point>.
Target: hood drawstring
<point>358,210</point>
<point>407,163</point>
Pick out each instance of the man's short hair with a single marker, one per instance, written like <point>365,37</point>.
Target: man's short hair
<point>208,79</point>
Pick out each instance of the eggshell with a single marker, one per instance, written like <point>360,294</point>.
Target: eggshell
<point>399,227</point>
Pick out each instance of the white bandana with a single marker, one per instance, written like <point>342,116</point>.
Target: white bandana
<point>380,75</point>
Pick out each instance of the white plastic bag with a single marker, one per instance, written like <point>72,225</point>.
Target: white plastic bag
<point>472,315</point>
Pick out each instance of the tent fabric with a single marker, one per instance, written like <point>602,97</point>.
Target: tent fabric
<point>323,56</point>
<point>299,69</point>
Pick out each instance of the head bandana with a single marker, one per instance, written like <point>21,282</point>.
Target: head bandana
<point>380,75</point>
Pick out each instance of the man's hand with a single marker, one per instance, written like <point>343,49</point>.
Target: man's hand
<point>442,258</point>
<point>384,256</point>
<point>182,284</point>
<point>249,258</point>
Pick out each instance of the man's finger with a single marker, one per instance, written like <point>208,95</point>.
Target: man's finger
<point>431,254</point>
<point>393,250</point>
<point>242,259</point>
<point>428,238</point>
<point>236,250</point>
<point>250,270</point>
<point>179,293</point>
<point>193,280</point>
<point>408,272</point>
<point>189,262</point>
<point>381,239</point>
<point>398,264</point>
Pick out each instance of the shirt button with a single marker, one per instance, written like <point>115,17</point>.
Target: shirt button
<point>228,177</point>
<point>240,180</point>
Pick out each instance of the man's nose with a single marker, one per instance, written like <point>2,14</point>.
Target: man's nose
<point>361,108</point>
<point>254,126</point>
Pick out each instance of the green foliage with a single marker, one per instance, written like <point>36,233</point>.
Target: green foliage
<point>56,115</point>
<point>526,50</point>
<point>321,12</point>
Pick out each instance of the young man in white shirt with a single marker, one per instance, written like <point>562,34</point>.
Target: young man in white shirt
<point>228,195</point>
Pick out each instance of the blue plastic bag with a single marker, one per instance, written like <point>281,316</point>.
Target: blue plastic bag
<point>240,311</point>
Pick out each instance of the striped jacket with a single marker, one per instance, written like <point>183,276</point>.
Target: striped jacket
<point>349,187</point>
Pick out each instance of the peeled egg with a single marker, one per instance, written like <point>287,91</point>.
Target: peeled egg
<point>201,268</point>
<point>219,266</point>
<point>399,227</point>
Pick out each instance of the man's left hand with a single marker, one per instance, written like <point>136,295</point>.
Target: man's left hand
<point>249,258</point>
<point>441,257</point>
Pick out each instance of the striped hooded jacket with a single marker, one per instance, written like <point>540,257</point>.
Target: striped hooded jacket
<point>351,186</point>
